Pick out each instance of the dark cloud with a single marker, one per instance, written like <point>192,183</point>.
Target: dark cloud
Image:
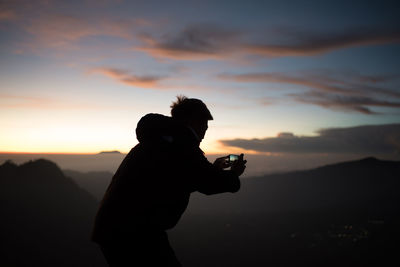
<point>371,140</point>
<point>344,102</point>
<point>346,83</point>
<point>275,77</point>
<point>58,23</point>
<point>333,90</point>
<point>306,43</point>
<point>193,42</point>
<point>211,41</point>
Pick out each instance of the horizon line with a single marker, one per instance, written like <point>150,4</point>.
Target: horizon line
<point>63,153</point>
<point>87,153</point>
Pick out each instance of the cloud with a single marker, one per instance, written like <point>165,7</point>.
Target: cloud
<point>371,139</point>
<point>342,102</point>
<point>274,77</point>
<point>147,81</point>
<point>349,91</point>
<point>60,30</point>
<point>198,42</point>
<point>55,24</point>
<point>308,44</point>
<point>12,101</point>
<point>15,101</point>
<point>7,15</point>
<point>347,84</point>
<point>202,42</point>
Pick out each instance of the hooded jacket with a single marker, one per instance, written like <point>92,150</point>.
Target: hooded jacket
<point>151,188</point>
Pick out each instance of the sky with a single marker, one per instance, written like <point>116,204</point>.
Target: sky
<point>280,77</point>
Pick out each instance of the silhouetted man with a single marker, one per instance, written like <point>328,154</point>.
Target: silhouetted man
<point>151,188</point>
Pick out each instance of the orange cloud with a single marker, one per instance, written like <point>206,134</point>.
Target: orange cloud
<point>10,101</point>
<point>14,101</point>
<point>129,79</point>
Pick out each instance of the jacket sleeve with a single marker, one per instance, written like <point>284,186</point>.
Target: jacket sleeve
<point>204,177</point>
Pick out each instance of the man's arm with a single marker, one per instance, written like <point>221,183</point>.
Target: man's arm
<point>210,179</point>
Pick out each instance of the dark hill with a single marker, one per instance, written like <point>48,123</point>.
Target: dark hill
<point>344,214</point>
<point>46,218</point>
<point>94,182</point>
<point>367,186</point>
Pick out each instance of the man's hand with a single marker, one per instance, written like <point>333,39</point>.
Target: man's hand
<point>239,166</point>
<point>222,163</point>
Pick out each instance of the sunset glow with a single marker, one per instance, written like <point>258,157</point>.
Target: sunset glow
<point>77,76</point>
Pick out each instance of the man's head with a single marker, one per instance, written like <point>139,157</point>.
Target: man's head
<point>192,112</point>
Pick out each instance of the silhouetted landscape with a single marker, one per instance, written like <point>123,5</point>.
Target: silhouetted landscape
<point>344,214</point>
<point>306,94</point>
<point>46,217</point>
<point>94,182</point>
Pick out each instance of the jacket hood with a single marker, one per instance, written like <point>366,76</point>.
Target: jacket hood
<point>153,127</point>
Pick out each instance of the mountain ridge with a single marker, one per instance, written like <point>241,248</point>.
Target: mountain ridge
<point>46,217</point>
<point>349,185</point>
<point>305,216</point>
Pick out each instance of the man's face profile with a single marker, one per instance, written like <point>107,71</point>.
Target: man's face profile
<point>203,129</point>
<point>200,127</point>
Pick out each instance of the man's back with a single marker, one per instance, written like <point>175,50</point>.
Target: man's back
<point>146,191</point>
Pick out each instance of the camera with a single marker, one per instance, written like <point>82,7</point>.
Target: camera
<point>232,158</point>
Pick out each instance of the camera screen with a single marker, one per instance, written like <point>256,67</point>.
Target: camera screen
<point>233,158</point>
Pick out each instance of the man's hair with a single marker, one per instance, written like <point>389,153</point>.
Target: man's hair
<point>185,109</point>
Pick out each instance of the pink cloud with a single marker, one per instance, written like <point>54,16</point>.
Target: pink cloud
<point>61,30</point>
<point>122,76</point>
<point>12,101</point>
<point>7,15</point>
